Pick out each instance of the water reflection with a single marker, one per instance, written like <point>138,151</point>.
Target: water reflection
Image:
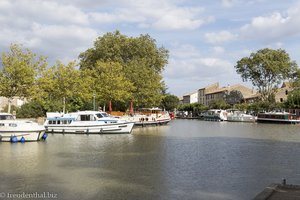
<point>188,159</point>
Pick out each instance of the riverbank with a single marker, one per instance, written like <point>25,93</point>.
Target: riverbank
<point>279,192</point>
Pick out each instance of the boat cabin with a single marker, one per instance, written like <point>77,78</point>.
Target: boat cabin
<point>283,116</point>
<point>80,116</point>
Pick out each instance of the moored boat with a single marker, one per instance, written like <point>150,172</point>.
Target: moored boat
<point>278,117</point>
<point>239,116</point>
<point>89,122</point>
<point>13,130</point>
<point>215,115</point>
<point>148,116</point>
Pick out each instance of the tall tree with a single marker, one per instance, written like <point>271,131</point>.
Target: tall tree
<point>62,86</point>
<point>234,97</point>
<point>20,70</point>
<point>170,102</point>
<point>266,69</point>
<point>148,84</point>
<point>141,60</point>
<point>109,82</point>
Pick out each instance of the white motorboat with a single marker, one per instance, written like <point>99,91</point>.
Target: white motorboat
<point>215,115</point>
<point>12,130</point>
<point>89,122</point>
<point>148,116</point>
<point>239,116</point>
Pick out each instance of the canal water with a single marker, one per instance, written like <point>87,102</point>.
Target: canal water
<point>187,159</point>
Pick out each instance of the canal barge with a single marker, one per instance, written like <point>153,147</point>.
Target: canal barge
<point>278,117</point>
<point>89,122</point>
<point>148,116</point>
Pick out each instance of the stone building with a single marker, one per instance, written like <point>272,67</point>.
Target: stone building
<point>203,91</point>
<point>16,101</point>
<point>190,98</point>
<point>220,93</point>
<point>282,93</point>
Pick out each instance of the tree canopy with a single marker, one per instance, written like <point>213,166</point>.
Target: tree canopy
<point>109,82</point>
<point>140,60</point>
<point>266,69</point>
<point>234,97</point>
<point>170,102</point>
<point>118,69</point>
<point>63,84</point>
<point>20,70</point>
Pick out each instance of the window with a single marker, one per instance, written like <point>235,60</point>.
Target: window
<point>99,115</point>
<point>13,125</point>
<point>6,117</point>
<point>87,118</point>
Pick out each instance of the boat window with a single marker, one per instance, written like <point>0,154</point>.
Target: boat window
<point>50,122</point>
<point>6,117</point>
<point>100,115</point>
<point>13,125</point>
<point>87,118</point>
<point>2,124</point>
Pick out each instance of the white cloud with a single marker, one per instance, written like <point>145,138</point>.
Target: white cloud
<point>197,68</point>
<point>41,11</point>
<point>184,51</point>
<point>55,30</point>
<point>220,37</point>
<point>160,15</point>
<point>228,3</point>
<point>178,18</point>
<point>61,42</point>
<point>275,26</point>
<point>218,49</point>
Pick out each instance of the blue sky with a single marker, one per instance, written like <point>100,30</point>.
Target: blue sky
<point>205,38</point>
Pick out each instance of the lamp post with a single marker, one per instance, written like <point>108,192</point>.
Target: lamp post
<point>94,101</point>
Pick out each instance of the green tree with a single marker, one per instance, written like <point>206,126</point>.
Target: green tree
<point>63,87</point>
<point>31,109</point>
<point>109,82</point>
<point>234,97</point>
<point>263,106</point>
<point>170,102</point>
<point>148,85</point>
<point>293,99</point>
<point>266,69</point>
<point>218,104</point>
<point>141,60</point>
<point>19,72</point>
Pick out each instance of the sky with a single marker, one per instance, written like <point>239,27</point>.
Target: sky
<point>205,38</point>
